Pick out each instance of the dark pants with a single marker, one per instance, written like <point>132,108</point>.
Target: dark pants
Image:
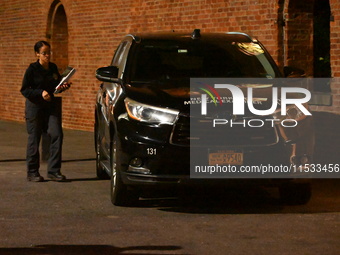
<point>39,120</point>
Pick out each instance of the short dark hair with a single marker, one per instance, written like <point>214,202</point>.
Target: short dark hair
<point>39,44</point>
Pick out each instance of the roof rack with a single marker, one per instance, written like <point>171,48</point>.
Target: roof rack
<point>196,34</point>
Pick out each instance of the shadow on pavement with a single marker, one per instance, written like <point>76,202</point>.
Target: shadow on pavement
<point>12,160</point>
<point>231,201</point>
<point>63,161</point>
<point>78,160</point>
<point>253,200</point>
<point>87,250</point>
<point>80,179</point>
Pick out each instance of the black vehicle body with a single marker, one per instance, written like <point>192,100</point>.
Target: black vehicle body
<point>142,126</point>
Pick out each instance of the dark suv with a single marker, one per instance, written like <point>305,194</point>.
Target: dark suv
<point>142,124</point>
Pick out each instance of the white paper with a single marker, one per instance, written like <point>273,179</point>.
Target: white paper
<point>68,73</point>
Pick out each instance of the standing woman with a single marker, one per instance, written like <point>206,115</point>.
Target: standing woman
<point>42,113</point>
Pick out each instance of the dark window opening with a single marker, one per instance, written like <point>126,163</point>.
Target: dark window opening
<point>322,65</point>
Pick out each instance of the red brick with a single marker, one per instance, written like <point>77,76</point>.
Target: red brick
<point>94,30</point>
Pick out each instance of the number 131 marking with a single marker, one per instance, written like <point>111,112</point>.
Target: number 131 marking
<point>151,151</point>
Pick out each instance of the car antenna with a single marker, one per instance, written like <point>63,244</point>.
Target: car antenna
<point>196,34</point>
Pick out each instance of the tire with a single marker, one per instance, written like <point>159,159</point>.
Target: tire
<point>121,194</point>
<point>295,194</point>
<point>100,171</point>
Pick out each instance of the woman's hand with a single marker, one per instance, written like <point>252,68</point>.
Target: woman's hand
<point>46,96</point>
<point>65,86</point>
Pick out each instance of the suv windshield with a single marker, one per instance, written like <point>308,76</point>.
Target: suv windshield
<point>166,60</point>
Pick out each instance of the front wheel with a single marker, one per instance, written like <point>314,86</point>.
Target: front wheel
<point>121,194</point>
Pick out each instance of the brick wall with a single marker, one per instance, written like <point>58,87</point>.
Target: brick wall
<point>298,38</point>
<point>335,52</point>
<point>95,29</point>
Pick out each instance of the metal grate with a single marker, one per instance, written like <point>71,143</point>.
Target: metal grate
<point>203,133</point>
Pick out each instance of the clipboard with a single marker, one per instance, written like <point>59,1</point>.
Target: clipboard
<point>66,75</point>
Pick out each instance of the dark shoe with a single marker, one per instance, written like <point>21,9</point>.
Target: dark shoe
<point>56,177</point>
<point>35,177</point>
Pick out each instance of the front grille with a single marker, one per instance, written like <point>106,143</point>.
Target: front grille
<point>203,133</point>
<point>181,131</point>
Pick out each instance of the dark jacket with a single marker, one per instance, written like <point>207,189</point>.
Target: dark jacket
<point>36,80</point>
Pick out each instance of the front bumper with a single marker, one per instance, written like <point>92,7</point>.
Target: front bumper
<point>146,156</point>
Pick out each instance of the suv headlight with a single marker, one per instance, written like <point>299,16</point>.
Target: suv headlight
<point>150,114</point>
<point>292,112</point>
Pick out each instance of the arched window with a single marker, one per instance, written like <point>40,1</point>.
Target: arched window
<point>57,32</point>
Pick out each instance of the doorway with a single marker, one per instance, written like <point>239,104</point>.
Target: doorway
<point>321,42</point>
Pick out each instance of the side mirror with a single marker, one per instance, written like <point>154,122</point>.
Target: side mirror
<point>107,74</point>
<point>293,72</point>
